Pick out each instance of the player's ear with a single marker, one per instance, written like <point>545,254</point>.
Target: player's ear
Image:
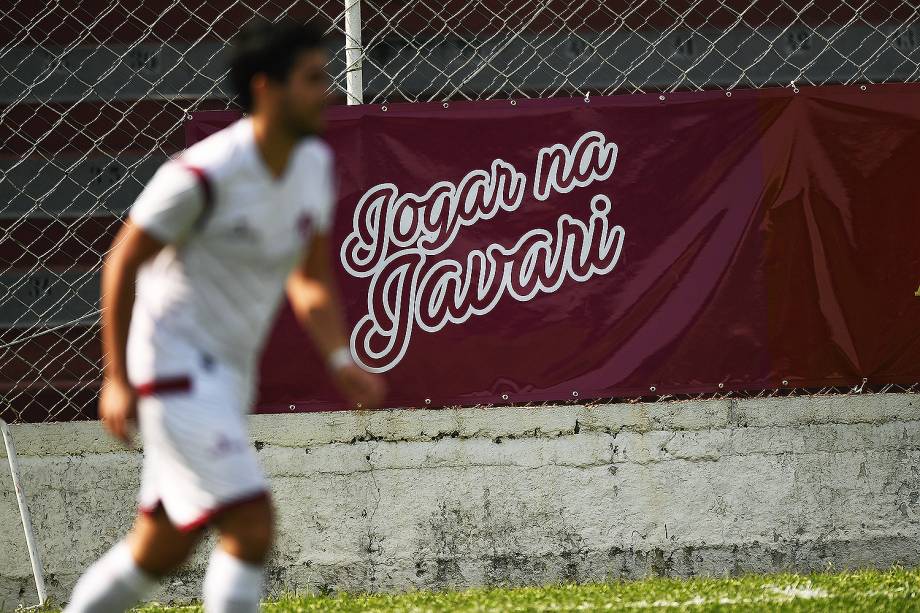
<point>258,85</point>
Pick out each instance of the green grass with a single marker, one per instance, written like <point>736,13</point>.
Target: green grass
<point>896,589</point>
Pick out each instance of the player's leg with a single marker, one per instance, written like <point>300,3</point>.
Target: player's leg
<point>233,581</point>
<point>131,568</point>
<point>205,471</point>
<point>158,546</point>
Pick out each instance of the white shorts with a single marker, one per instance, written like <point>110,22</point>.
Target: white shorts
<point>198,460</point>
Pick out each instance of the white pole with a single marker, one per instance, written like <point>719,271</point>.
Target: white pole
<point>354,84</point>
<point>24,512</point>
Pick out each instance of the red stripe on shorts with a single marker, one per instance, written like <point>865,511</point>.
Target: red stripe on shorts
<point>209,515</point>
<point>157,386</point>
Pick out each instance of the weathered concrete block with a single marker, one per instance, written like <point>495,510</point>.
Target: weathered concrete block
<point>395,500</point>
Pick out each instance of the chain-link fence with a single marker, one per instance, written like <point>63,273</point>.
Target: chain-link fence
<point>94,94</point>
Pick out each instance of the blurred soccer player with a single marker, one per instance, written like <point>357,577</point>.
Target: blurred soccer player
<point>209,248</point>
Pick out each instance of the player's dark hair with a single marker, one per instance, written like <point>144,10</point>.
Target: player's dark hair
<point>270,48</point>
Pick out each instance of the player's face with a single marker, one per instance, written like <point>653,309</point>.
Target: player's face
<point>304,98</point>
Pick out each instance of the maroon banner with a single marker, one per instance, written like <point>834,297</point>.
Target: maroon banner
<point>509,251</point>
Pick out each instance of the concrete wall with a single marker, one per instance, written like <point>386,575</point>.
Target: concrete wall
<point>394,500</point>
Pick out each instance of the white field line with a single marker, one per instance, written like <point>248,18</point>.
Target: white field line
<point>774,594</point>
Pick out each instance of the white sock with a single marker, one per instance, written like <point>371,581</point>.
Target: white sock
<point>231,585</point>
<point>112,585</point>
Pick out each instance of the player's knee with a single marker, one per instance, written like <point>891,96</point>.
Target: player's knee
<point>251,543</point>
<point>261,539</point>
<point>159,548</point>
<point>161,563</point>
<point>248,533</point>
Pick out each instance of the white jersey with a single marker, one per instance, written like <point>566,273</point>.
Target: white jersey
<point>212,292</point>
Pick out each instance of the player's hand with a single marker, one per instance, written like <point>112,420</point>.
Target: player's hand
<point>118,409</point>
<point>360,386</point>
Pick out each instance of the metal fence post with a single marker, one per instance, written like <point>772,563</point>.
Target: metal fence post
<point>37,571</point>
<point>354,82</point>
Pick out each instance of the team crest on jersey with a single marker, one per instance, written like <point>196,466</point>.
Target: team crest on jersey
<point>304,226</point>
<point>242,230</point>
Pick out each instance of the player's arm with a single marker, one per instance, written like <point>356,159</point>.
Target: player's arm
<point>132,247</point>
<point>164,213</point>
<point>313,295</point>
